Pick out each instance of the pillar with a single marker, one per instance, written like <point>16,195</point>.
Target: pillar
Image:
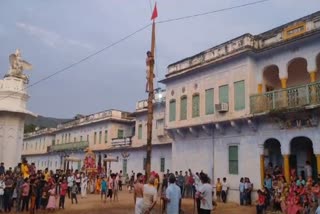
<point>262,166</point>
<point>283,82</point>
<point>260,88</point>
<point>318,164</point>
<point>313,76</point>
<point>286,167</point>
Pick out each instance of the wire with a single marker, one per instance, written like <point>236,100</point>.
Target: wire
<point>211,12</point>
<point>81,60</point>
<point>131,34</point>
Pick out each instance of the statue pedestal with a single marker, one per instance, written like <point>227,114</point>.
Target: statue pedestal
<point>13,100</point>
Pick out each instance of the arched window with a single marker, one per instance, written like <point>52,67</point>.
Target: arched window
<point>172,110</point>
<point>183,108</point>
<point>195,105</point>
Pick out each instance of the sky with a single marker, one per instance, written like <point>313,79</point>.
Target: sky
<point>53,34</point>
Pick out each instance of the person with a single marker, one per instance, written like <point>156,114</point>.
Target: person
<point>63,192</point>
<point>74,191</point>
<point>225,188</point>
<point>120,175</point>
<point>300,181</point>
<point>180,182</point>
<point>25,194</point>
<point>205,195</point>
<point>2,169</point>
<point>138,194</point>
<point>98,184</point>
<point>51,206</point>
<point>115,186</point>
<point>149,63</point>
<point>103,190</point>
<point>2,187</point>
<point>149,196</point>
<point>110,187</point>
<point>173,196</point>
<point>84,185</point>
<point>25,169</point>
<point>70,180</point>
<point>218,189</point>
<point>260,202</point>
<point>33,186</point>
<point>308,170</point>
<point>241,190</point>
<point>248,189</point>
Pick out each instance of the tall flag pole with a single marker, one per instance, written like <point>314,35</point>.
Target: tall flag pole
<point>150,76</point>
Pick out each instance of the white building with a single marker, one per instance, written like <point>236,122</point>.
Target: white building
<point>113,133</point>
<point>233,108</point>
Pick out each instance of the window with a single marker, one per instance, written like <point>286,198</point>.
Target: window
<point>239,95</point>
<point>224,94</point>
<point>56,164</point>
<point>106,136</point>
<point>81,138</point>
<point>74,139</point>
<point>233,160</point>
<point>36,146</point>
<point>162,164</point>
<point>196,105</point>
<point>100,137</point>
<point>159,124</point>
<point>120,133</point>
<point>95,138</point>
<point>69,138</point>
<point>53,142</point>
<point>172,110</point>
<point>124,166</point>
<point>209,101</point>
<point>87,138</point>
<point>144,163</point>
<point>183,108</point>
<point>140,131</point>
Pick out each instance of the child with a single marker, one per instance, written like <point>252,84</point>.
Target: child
<point>74,191</point>
<point>63,192</point>
<point>51,206</point>
<point>104,185</point>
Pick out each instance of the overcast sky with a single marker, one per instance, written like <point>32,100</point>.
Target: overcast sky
<point>53,34</point>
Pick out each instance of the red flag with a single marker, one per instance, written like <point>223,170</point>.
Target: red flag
<point>155,12</point>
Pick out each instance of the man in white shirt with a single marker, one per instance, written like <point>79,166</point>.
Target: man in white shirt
<point>205,195</point>
<point>225,188</point>
<point>149,196</point>
<point>173,196</point>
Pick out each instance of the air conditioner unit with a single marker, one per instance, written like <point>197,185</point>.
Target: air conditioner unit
<point>222,107</point>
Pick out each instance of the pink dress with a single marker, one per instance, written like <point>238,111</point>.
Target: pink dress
<point>52,199</point>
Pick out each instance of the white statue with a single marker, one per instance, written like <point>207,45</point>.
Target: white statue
<point>18,65</point>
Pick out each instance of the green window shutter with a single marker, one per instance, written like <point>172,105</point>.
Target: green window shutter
<point>95,138</point>
<point>140,131</point>
<point>210,101</point>
<point>233,160</point>
<point>172,110</point>
<point>120,133</point>
<point>196,105</point>
<point>224,94</point>
<point>100,137</point>
<point>162,164</point>
<point>239,95</point>
<point>106,136</point>
<point>124,166</point>
<point>183,108</point>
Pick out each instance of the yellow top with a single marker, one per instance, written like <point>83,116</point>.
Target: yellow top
<point>46,176</point>
<point>156,183</point>
<point>218,186</point>
<point>25,171</point>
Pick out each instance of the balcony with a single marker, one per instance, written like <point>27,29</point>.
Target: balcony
<point>119,142</point>
<point>79,145</point>
<point>305,96</point>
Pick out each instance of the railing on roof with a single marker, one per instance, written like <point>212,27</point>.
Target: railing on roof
<point>286,99</point>
<point>79,145</point>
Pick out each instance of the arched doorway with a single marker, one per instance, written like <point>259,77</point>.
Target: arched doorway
<point>271,78</point>
<point>272,152</point>
<point>301,151</point>
<point>297,72</point>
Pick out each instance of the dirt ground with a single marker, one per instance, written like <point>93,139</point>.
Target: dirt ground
<point>93,205</point>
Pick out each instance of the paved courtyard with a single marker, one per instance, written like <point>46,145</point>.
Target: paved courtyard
<point>93,205</point>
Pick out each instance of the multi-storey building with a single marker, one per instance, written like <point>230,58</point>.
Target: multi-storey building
<point>113,133</point>
<point>252,100</point>
<point>229,111</point>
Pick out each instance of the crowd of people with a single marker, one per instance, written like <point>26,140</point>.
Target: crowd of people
<point>25,188</point>
<point>300,195</point>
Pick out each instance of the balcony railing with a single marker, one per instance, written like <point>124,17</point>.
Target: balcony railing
<point>121,141</point>
<point>80,145</point>
<point>286,99</point>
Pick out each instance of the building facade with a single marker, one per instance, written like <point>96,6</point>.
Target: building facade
<point>229,111</point>
<point>236,107</point>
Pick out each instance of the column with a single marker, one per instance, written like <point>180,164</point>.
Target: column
<point>262,166</point>
<point>283,83</point>
<point>313,76</point>
<point>286,167</point>
<point>260,88</point>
